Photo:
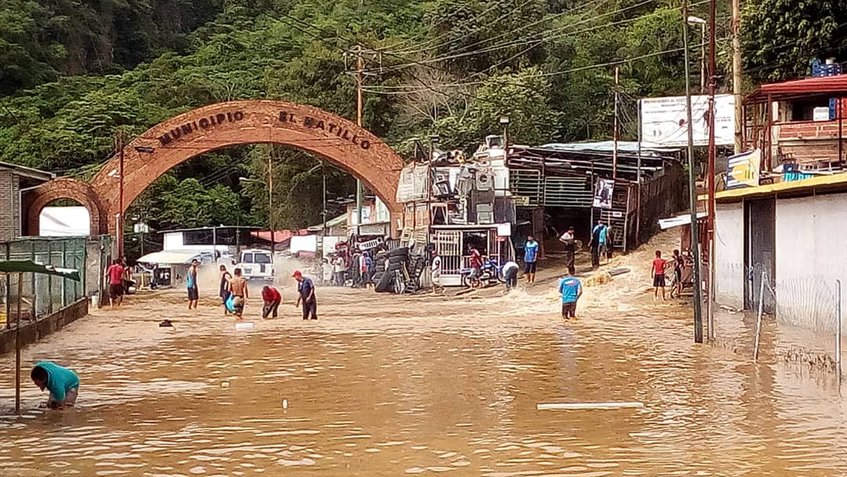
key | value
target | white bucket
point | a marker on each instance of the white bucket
(243, 326)
(95, 301)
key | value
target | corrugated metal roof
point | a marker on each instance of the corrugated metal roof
(28, 171)
(793, 88)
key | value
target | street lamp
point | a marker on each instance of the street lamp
(504, 123)
(692, 20)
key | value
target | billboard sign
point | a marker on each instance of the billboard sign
(663, 120)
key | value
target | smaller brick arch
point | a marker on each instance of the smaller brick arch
(65, 188)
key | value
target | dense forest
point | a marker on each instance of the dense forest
(73, 72)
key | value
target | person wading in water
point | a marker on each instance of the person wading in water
(240, 292)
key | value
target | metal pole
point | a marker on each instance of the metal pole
(271, 200)
(429, 191)
(736, 71)
(838, 329)
(8, 292)
(638, 180)
(695, 233)
(50, 278)
(703, 66)
(360, 68)
(18, 345)
(119, 227)
(710, 182)
(759, 317)
(323, 194)
(615, 132)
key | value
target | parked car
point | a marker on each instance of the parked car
(256, 265)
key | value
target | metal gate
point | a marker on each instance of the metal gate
(760, 233)
(448, 244)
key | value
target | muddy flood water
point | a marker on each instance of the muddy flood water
(387, 385)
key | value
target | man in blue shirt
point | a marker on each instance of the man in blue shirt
(62, 383)
(191, 284)
(530, 256)
(599, 234)
(571, 289)
(306, 289)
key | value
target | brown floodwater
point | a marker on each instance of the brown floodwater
(386, 385)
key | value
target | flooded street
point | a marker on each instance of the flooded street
(387, 385)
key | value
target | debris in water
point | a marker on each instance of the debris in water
(166, 324)
(285, 403)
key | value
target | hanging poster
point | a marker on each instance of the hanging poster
(743, 169)
(603, 193)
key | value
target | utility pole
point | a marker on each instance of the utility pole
(359, 73)
(615, 132)
(710, 182)
(119, 225)
(271, 199)
(692, 187)
(736, 72)
(360, 69)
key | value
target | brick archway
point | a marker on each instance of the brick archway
(221, 125)
(65, 188)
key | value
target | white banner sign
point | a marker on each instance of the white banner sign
(663, 120)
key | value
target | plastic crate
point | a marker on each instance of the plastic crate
(822, 69)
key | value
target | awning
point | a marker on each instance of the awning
(170, 257)
(834, 85)
(28, 266)
(684, 219)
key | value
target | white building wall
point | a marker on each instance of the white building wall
(810, 256)
(729, 252)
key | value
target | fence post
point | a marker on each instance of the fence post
(64, 280)
(8, 291)
(32, 282)
(759, 317)
(50, 278)
(838, 329)
(84, 268)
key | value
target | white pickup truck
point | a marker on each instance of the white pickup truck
(256, 265)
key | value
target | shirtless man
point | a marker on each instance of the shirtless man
(238, 288)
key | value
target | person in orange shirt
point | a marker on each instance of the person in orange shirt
(658, 273)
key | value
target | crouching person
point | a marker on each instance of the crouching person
(62, 383)
(271, 298)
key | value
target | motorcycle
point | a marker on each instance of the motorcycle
(491, 273)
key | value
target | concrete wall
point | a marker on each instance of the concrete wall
(729, 251)
(810, 256)
(32, 332)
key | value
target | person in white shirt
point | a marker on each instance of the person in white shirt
(435, 267)
(568, 238)
(510, 274)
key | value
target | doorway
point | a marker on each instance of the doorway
(759, 248)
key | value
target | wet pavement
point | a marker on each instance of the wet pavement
(386, 385)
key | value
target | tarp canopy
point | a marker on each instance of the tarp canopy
(28, 266)
(684, 219)
(64, 222)
(170, 257)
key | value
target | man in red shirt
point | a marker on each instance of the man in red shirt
(115, 275)
(658, 273)
(271, 298)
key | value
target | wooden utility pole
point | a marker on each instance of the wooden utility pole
(360, 79)
(736, 72)
(710, 223)
(615, 133)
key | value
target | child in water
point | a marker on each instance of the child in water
(62, 383)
